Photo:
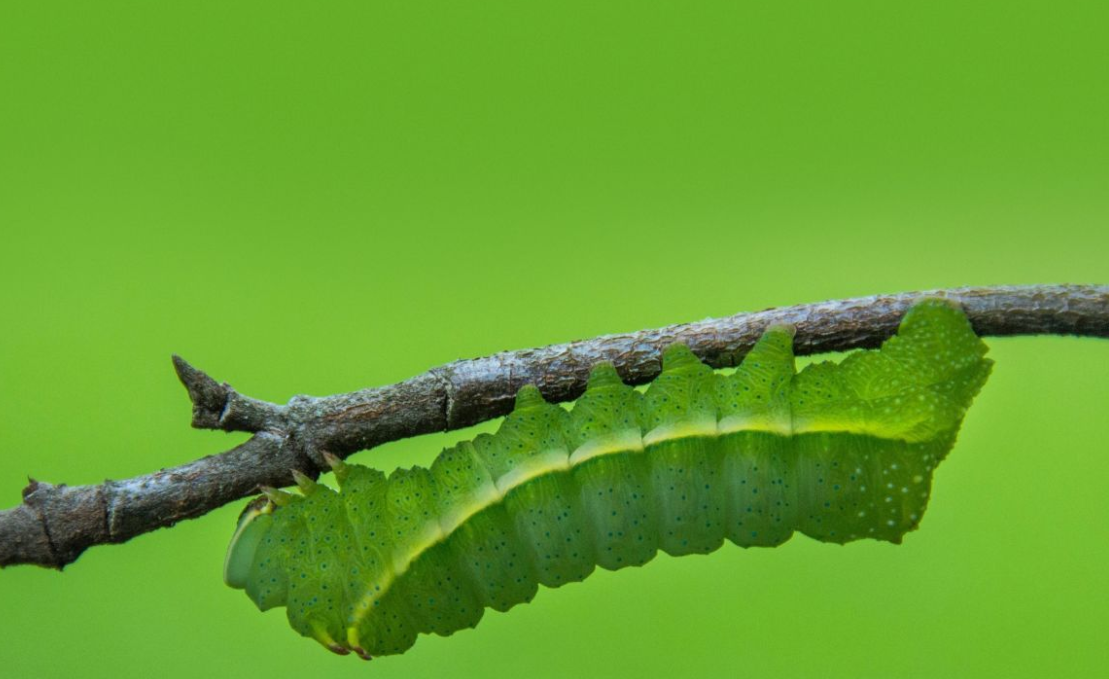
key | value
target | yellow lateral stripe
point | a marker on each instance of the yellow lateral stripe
(627, 441)
(550, 461)
(681, 430)
(733, 424)
(862, 428)
(555, 461)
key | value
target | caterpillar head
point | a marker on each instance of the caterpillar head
(253, 524)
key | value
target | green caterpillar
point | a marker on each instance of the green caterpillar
(838, 452)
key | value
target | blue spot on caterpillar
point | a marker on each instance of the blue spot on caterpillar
(839, 452)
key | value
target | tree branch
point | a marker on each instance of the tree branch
(55, 524)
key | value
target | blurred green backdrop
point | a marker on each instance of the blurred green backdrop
(317, 197)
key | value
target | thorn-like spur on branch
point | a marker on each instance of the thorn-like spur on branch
(218, 406)
(55, 524)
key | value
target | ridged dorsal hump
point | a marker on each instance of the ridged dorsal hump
(318, 596)
(363, 492)
(756, 396)
(917, 386)
(529, 443)
(465, 485)
(606, 417)
(681, 401)
(413, 512)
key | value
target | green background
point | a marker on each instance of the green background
(318, 197)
